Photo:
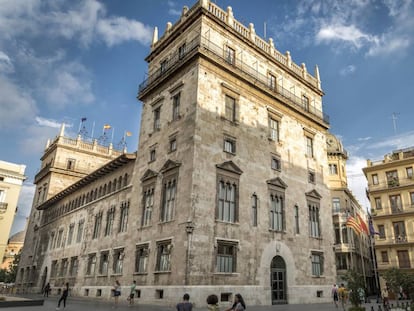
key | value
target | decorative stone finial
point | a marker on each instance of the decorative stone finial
(304, 70)
(318, 78)
(47, 144)
(62, 130)
(289, 59)
(154, 36)
(185, 10)
(230, 16)
(271, 43)
(169, 25)
(204, 3)
(252, 31)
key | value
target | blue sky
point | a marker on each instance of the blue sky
(64, 60)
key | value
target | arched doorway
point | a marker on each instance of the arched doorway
(278, 280)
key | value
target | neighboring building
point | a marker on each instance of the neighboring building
(11, 180)
(14, 246)
(352, 251)
(391, 194)
(227, 193)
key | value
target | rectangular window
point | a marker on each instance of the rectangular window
(163, 66)
(70, 164)
(378, 204)
(164, 256)
(403, 259)
(272, 81)
(337, 234)
(173, 144)
(230, 112)
(91, 264)
(54, 268)
(399, 232)
(305, 102)
(314, 220)
(317, 264)
(148, 200)
(341, 262)
(392, 178)
(80, 231)
(276, 163)
(227, 193)
(97, 226)
(230, 55)
(226, 256)
(152, 155)
(59, 238)
(333, 169)
(412, 198)
(395, 202)
(336, 205)
(381, 231)
(309, 147)
(375, 180)
(70, 233)
(229, 146)
(409, 171)
(384, 256)
(157, 119)
(181, 51)
(276, 212)
(169, 192)
(345, 239)
(64, 267)
(118, 261)
(176, 107)
(273, 129)
(141, 258)
(123, 220)
(297, 227)
(254, 210)
(73, 270)
(311, 176)
(104, 263)
(110, 217)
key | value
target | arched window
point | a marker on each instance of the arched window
(125, 179)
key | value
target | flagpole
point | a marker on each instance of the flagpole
(362, 259)
(80, 124)
(93, 129)
(112, 137)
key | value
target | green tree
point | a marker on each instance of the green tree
(12, 272)
(396, 278)
(3, 275)
(355, 283)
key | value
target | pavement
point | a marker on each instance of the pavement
(85, 304)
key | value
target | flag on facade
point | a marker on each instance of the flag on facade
(363, 224)
(372, 229)
(353, 223)
(106, 127)
(128, 133)
(83, 119)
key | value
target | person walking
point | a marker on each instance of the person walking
(46, 290)
(238, 304)
(342, 295)
(335, 295)
(384, 296)
(212, 303)
(64, 296)
(117, 292)
(185, 305)
(132, 293)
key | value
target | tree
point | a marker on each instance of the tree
(396, 278)
(12, 273)
(356, 283)
(3, 275)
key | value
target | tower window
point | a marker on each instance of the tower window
(70, 164)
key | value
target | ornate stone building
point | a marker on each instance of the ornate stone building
(391, 194)
(352, 251)
(11, 180)
(227, 193)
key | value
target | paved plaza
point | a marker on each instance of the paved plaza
(82, 304)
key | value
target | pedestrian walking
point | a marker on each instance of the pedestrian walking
(185, 305)
(342, 295)
(132, 293)
(46, 290)
(335, 295)
(238, 304)
(64, 296)
(212, 303)
(384, 296)
(117, 292)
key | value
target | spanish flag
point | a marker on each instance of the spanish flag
(353, 223)
(363, 225)
(106, 127)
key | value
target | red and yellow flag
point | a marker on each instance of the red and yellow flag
(363, 224)
(353, 223)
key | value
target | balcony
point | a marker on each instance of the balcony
(204, 46)
(3, 207)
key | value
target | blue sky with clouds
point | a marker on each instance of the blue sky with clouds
(64, 60)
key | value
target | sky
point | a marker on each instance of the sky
(61, 61)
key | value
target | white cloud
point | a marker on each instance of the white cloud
(6, 65)
(16, 106)
(401, 141)
(24, 207)
(173, 8)
(356, 178)
(364, 138)
(49, 122)
(387, 46)
(350, 34)
(35, 139)
(347, 70)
